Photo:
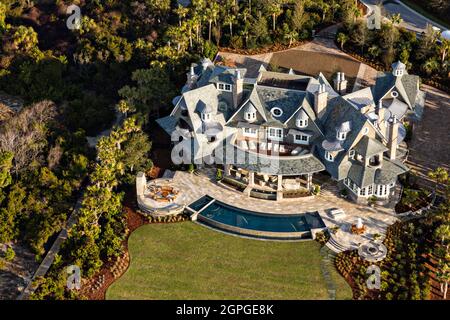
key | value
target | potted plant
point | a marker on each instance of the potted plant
(219, 174)
(316, 189)
(344, 193)
(372, 201)
(191, 168)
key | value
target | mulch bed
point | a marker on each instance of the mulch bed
(134, 221)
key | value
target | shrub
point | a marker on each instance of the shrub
(316, 189)
(191, 167)
(219, 174)
(10, 254)
(236, 42)
(210, 50)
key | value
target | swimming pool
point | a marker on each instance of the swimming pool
(269, 226)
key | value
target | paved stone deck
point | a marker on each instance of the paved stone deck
(377, 219)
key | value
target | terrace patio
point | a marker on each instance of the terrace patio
(376, 219)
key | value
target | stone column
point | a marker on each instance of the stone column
(280, 183)
(141, 183)
(227, 171)
(280, 187)
(309, 181)
(251, 178)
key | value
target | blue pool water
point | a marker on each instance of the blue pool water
(229, 215)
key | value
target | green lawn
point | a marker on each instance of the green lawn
(188, 261)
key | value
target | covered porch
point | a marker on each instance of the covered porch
(260, 185)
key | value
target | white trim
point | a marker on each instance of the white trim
(278, 136)
(248, 132)
(224, 87)
(304, 123)
(274, 109)
(329, 157)
(300, 141)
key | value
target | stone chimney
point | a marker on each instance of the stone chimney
(320, 100)
(238, 88)
(141, 183)
(381, 112)
(340, 84)
(393, 137)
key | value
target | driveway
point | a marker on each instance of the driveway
(429, 147)
(412, 20)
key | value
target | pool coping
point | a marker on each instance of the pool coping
(250, 233)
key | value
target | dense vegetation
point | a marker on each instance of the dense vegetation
(129, 57)
(418, 256)
(425, 55)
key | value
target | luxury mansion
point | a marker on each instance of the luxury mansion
(272, 133)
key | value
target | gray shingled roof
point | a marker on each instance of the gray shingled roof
(167, 123)
(369, 147)
(288, 165)
(364, 176)
(287, 100)
(406, 85)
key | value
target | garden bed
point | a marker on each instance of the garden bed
(404, 273)
(413, 200)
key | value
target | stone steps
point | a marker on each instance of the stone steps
(326, 267)
(336, 247)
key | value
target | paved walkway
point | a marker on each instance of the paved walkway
(376, 220)
(50, 257)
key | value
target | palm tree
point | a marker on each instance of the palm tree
(444, 48)
(374, 51)
(181, 12)
(275, 11)
(229, 20)
(211, 15)
(291, 36)
(396, 19)
(244, 33)
(245, 14)
(342, 38)
(439, 175)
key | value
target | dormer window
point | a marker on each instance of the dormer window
(224, 87)
(206, 117)
(342, 130)
(301, 123)
(329, 157)
(250, 113)
(341, 135)
(351, 154)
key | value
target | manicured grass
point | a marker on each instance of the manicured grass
(188, 261)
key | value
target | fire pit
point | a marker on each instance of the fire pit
(162, 193)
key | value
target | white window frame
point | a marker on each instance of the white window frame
(303, 138)
(277, 134)
(370, 190)
(250, 115)
(274, 109)
(351, 154)
(382, 190)
(301, 123)
(341, 135)
(250, 132)
(329, 157)
(224, 87)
